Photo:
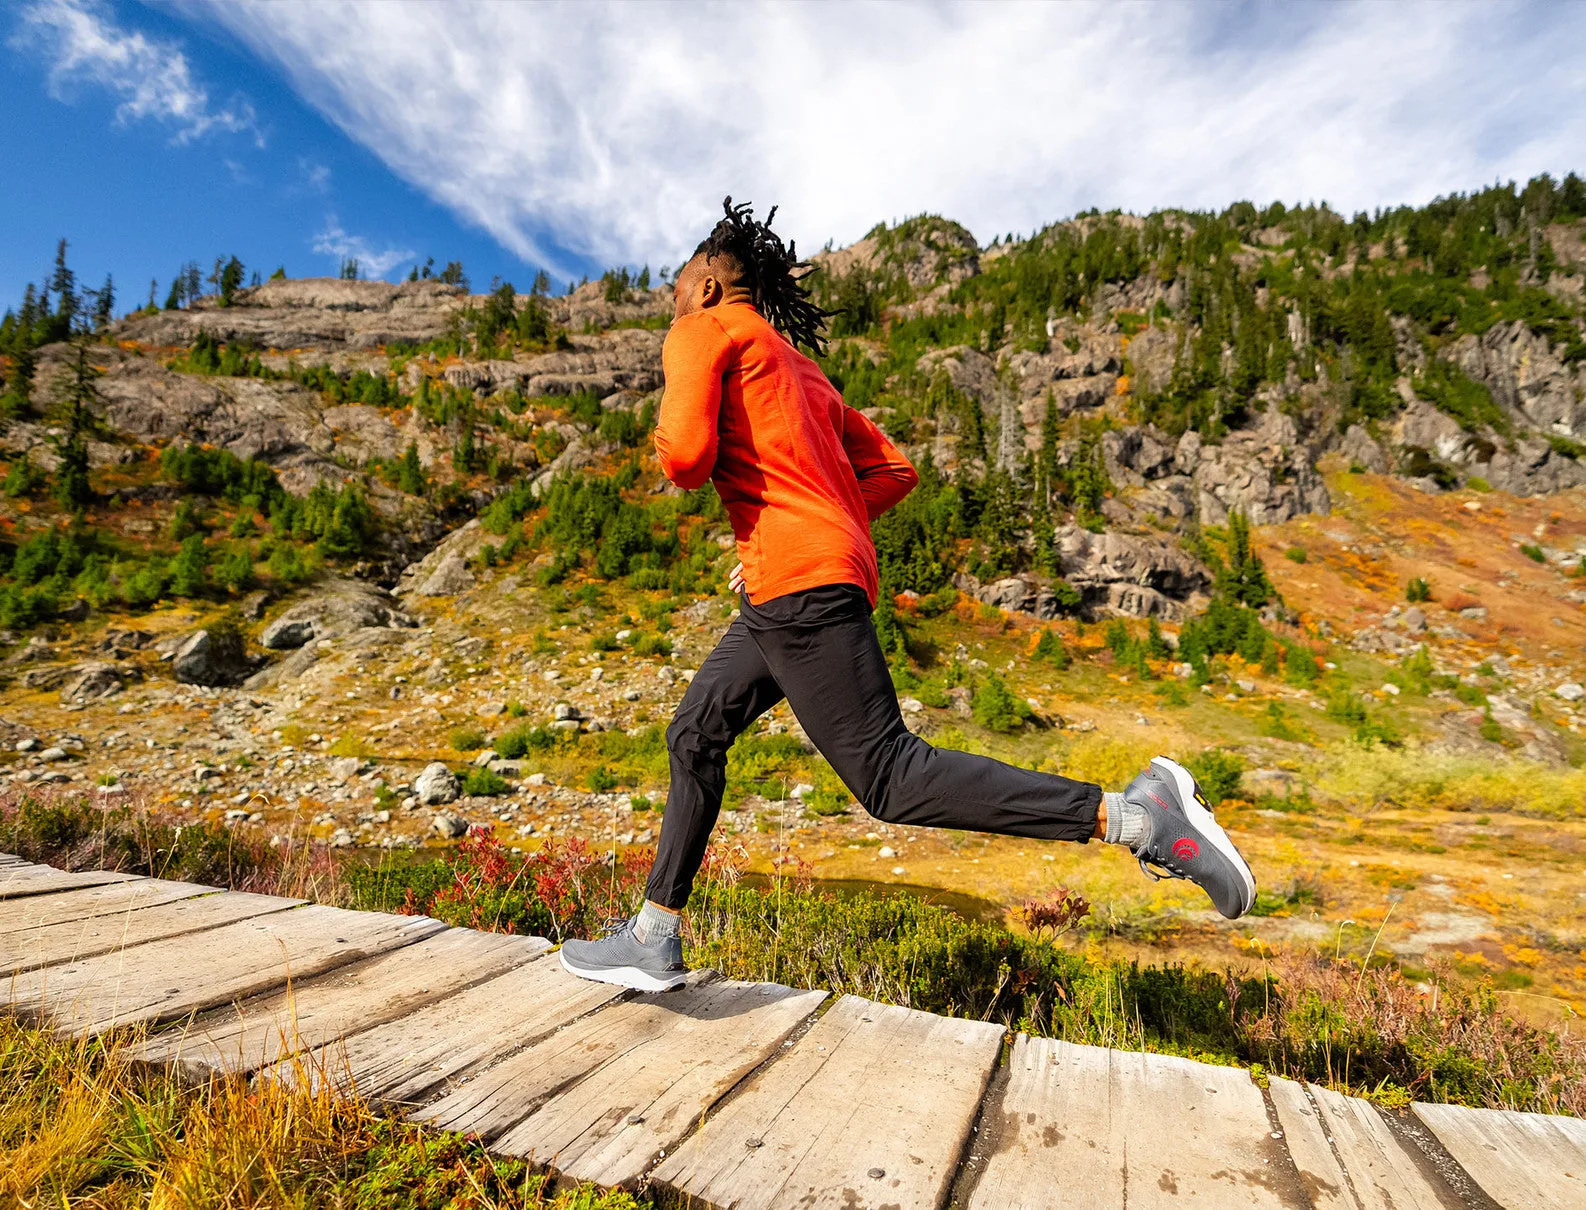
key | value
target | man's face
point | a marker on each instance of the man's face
(687, 295)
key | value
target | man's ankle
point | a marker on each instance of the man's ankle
(655, 924)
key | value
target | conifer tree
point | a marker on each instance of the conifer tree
(72, 488)
(1244, 579)
(410, 472)
(104, 304)
(64, 282)
(230, 281)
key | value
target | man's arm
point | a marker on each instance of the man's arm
(885, 475)
(694, 359)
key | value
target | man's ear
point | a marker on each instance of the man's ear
(710, 291)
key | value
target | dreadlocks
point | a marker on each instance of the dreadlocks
(772, 273)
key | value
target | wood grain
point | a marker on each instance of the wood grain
(317, 1012)
(38, 911)
(603, 1098)
(1120, 1128)
(17, 881)
(173, 977)
(404, 1060)
(50, 944)
(871, 1108)
(1523, 1161)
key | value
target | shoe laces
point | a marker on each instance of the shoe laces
(1146, 867)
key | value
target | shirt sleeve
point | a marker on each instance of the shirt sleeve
(885, 475)
(694, 358)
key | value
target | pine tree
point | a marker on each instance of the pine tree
(193, 286)
(230, 281)
(64, 282)
(1244, 580)
(72, 488)
(410, 472)
(104, 304)
(173, 300)
(190, 568)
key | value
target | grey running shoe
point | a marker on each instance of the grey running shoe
(1186, 842)
(619, 957)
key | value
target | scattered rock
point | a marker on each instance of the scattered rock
(448, 826)
(1570, 691)
(211, 657)
(93, 681)
(53, 754)
(435, 785)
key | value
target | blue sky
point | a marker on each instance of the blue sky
(576, 136)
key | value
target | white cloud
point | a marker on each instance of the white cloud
(614, 130)
(333, 241)
(152, 78)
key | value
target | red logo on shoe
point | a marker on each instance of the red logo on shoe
(1185, 849)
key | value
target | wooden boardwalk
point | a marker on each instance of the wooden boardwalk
(727, 1094)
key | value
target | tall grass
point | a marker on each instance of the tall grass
(81, 1125)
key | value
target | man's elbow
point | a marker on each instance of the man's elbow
(686, 470)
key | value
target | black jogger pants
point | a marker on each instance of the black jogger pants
(818, 649)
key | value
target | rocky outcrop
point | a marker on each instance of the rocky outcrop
(337, 607)
(1135, 575)
(210, 657)
(94, 681)
(925, 252)
(1020, 594)
(444, 571)
(1527, 376)
(312, 311)
(1430, 443)
(1266, 472)
(628, 359)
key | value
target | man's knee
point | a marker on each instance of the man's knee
(697, 732)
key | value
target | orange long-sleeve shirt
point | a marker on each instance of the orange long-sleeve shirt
(802, 474)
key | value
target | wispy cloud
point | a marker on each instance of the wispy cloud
(85, 45)
(614, 130)
(333, 241)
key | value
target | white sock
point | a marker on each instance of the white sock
(653, 924)
(1127, 824)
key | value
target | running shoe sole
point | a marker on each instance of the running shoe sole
(626, 976)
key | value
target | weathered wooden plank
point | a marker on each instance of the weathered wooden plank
(175, 976)
(317, 1012)
(40, 911)
(405, 1059)
(52, 944)
(1349, 1157)
(1530, 1160)
(1120, 1128)
(603, 1098)
(1056, 1127)
(870, 1109)
(1321, 1172)
(43, 880)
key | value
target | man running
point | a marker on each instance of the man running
(802, 475)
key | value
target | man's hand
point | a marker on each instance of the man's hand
(735, 578)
